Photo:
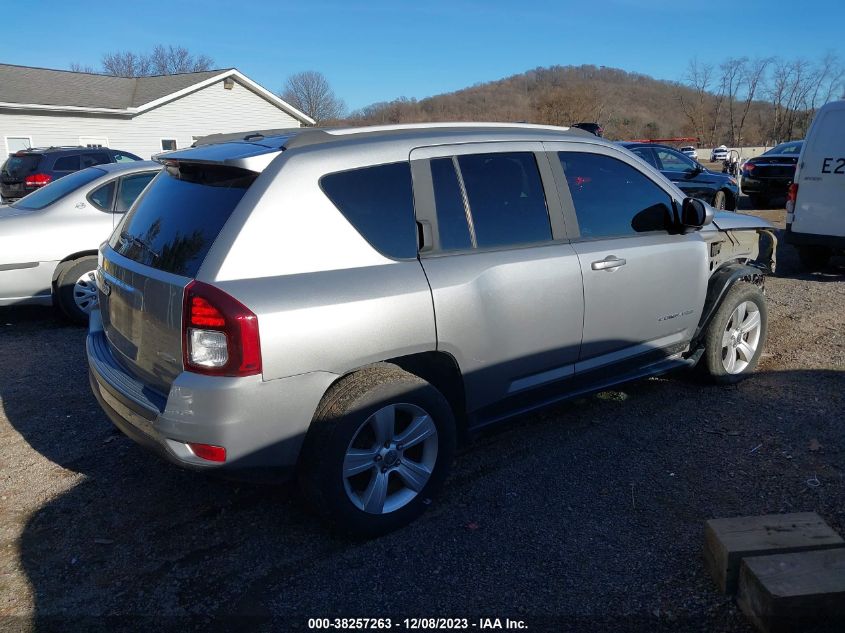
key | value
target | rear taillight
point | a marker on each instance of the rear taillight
(219, 333)
(748, 167)
(791, 197)
(37, 180)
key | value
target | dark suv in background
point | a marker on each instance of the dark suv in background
(25, 171)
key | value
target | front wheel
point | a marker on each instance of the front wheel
(76, 289)
(378, 450)
(737, 334)
(719, 201)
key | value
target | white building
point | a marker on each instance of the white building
(144, 116)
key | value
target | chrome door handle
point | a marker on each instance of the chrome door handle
(611, 262)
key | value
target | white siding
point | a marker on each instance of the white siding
(208, 111)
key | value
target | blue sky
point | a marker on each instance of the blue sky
(380, 50)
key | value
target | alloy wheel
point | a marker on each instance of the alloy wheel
(741, 337)
(390, 459)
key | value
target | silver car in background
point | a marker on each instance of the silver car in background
(49, 239)
(344, 305)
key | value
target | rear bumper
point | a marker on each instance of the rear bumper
(833, 242)
(262, 424)
(768, 186)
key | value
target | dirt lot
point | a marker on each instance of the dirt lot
(590, 514)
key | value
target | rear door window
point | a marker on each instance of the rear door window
(612, 198)
(379, 202)
(66, 163)
(506, 199)
(452, 225)
(175, 222)
(130, 188)
(673, 161)
(94, 158)
(103, 197)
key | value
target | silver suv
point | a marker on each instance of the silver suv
(344, 305)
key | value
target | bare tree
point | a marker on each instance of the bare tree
(310, 92)
(173, 60)
(163, 60)
(733, 70)
(698, 78)
(82, 68)
(752, 74)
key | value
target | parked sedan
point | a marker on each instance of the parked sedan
(49, 239)
(719, 190)
(769, 175)
(719, 154)
(689, 150)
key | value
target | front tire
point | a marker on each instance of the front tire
(737, 334)
(814, 258)
(379, 448)
(76, 290)
(719, 201)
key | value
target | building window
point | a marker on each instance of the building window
(17, 143)
(168, 144)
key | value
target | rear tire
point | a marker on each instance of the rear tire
(814, 258)
(363, 467)
(76, 291)
(736, 335)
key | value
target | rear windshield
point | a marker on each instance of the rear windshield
(787, 148)
(181, 213)
(20, 166)
(58, 189)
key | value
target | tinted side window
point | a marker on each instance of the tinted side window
(95, 158)
(66, 163)
(124, 157)
(673, 161)
(130, 188)
(451, 215)
(102, 196)
(378, 201)
(612, 198)
(506, 199)
(647, 155)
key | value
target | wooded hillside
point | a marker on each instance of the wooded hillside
(709, 105)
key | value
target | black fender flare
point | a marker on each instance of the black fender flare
(720, 283)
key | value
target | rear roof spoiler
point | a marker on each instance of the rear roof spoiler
(253, 157)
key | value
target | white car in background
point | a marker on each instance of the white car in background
(689, 150)
(719, 154)
(49, 238)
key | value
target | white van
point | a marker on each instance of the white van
(815, 208)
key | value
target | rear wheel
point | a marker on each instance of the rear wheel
(379, 448)
(76, 289)
(814, 257)
(737, 334)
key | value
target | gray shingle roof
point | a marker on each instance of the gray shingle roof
(23, 84)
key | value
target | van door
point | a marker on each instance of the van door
(506, 285)
(820, 207)
(644, 287)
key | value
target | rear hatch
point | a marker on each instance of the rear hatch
(156, 251)
(14, 172)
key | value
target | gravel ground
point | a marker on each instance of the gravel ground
(589, 515)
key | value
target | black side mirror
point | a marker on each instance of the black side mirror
(694, 215)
